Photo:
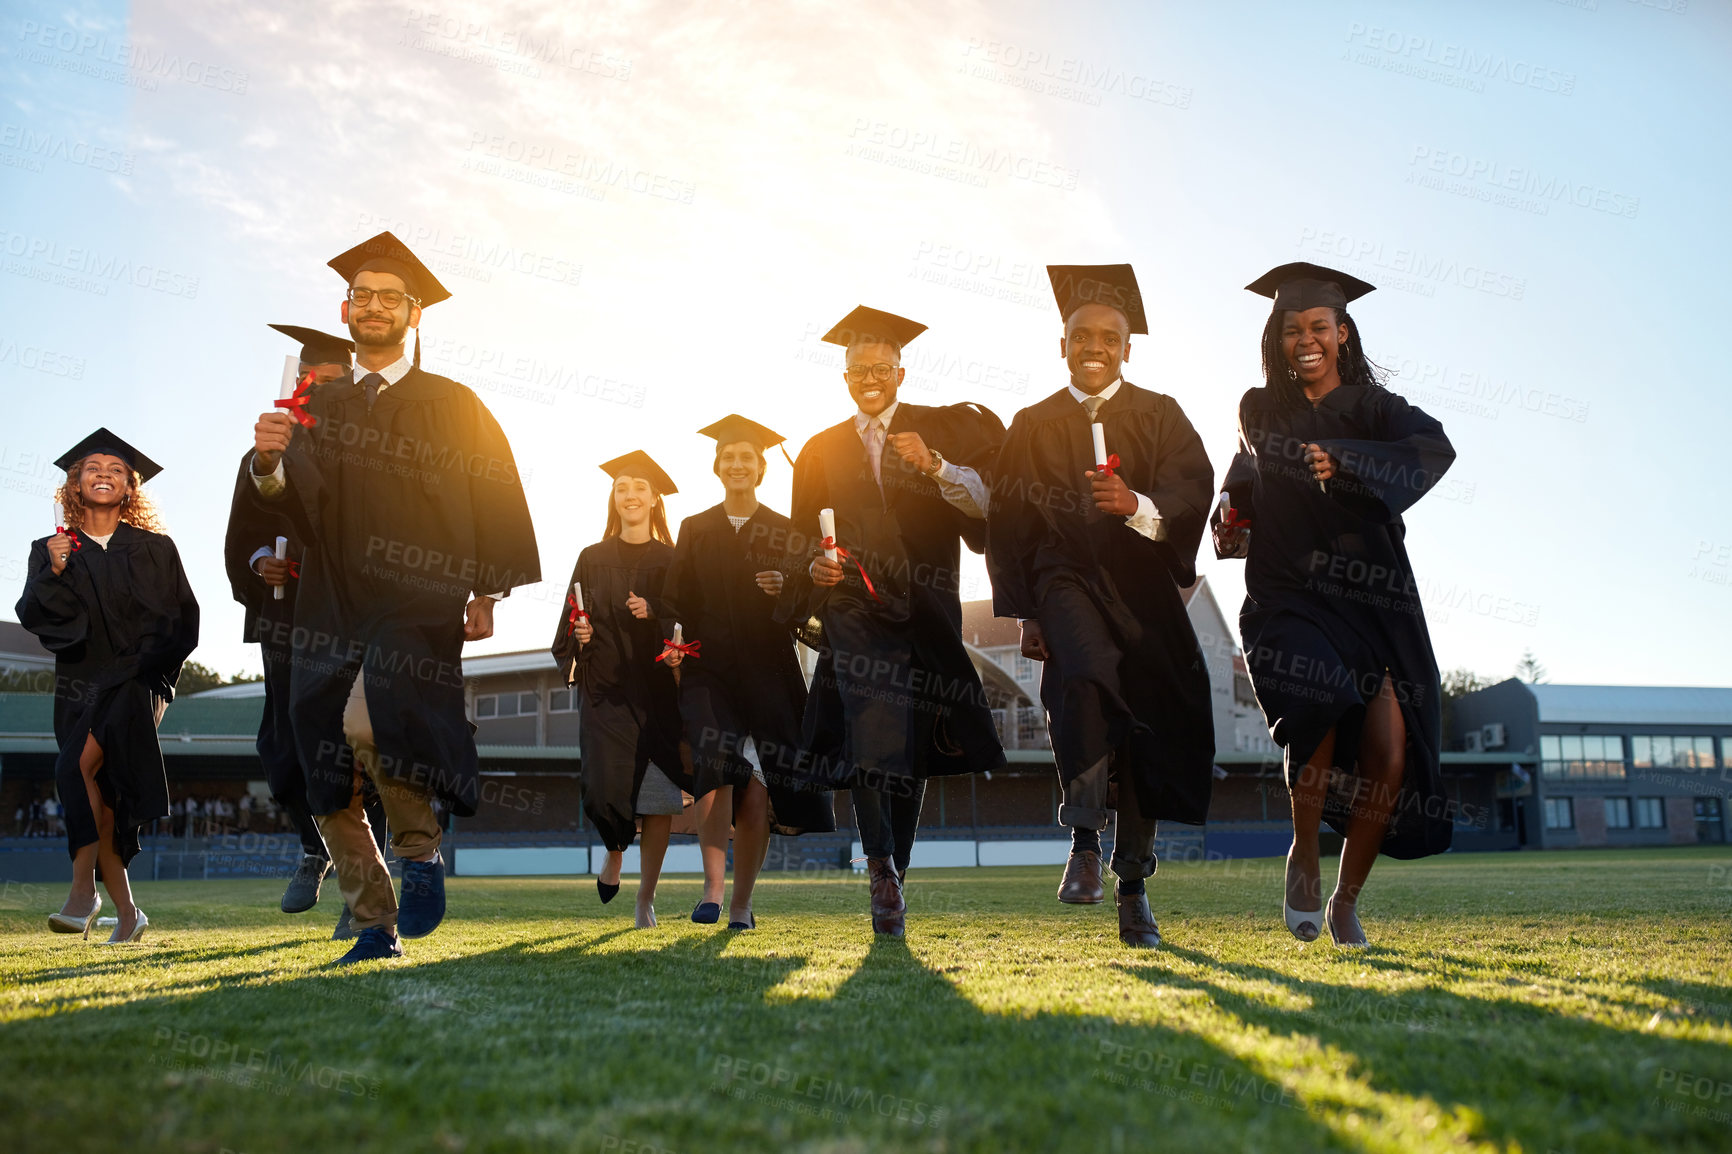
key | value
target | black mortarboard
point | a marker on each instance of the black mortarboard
(103, 441)
(1113, 285)
(638, 463)
(734, 428)
(1302, 286)
(319, 348)
(385, 253)
(866, 324)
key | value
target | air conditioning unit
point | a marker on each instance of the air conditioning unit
(1472, 739)
(1492, 736)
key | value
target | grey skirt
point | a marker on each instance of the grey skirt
(658, 794)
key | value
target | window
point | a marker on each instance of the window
(1030, 726)
(1672, 752)
(1582, 756)
(1617, 813)
(1559, 813)
(562, 701)
(1027, 669)
(506, 705)
(1650, 813)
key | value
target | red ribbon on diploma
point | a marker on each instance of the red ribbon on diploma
(1107, 469)
(295, 570)
(830, 543)
(689, 648)
(576, 613)
(297, 404)
(65, 532)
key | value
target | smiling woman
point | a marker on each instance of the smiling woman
(107, 596)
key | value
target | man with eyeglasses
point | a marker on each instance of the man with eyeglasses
(895, 699)
(415, 522)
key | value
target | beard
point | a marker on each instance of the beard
(391, 336)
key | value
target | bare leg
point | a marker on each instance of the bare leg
(751, 840)
(610, 868)
(83, 892)
(1382, 761)
(653, 847)
(1304, 873)
(108, 862)
(715, 817)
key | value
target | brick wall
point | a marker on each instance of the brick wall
(1681, 820)
(1590, 820)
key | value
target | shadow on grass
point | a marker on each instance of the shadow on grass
(666, 1037)
(1432, 1043)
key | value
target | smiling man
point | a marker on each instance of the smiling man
(414, 519)
(1090, 560)
(895, 699)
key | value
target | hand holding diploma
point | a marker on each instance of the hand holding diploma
(671, 653)
(826, 570)
(1108, 489)
(580, 626)
(1321, 464)
(60, 545)
(1231, 532)
(282, 559)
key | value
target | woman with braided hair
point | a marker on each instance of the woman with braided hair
(106, 595)
(1334, 634)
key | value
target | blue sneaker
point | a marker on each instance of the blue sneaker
(373, 942)
(422, 906)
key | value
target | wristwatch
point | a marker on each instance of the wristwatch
(937, 463)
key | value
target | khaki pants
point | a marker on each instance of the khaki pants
(361, 872)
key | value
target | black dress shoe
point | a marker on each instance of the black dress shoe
(1136, 924)
(707, 913)
(605, 891)
(751, 923)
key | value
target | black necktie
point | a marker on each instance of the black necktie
(371, 384)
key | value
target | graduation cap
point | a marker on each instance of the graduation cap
(103, 441)
(868, 324)
(734, 428)
(319, 348)
(385, 253)
(1302, 286)
(638, 463)
(1113, 285)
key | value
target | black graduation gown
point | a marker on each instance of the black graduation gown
(267, 623)
(628, 713)
(120, 622)
(406, 512)
(1331, 603)
(895, 695)
(1143, 686)
(746, 681)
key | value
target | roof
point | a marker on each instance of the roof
(21, 648)
(1633, 704)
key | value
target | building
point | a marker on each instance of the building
(1615, 765)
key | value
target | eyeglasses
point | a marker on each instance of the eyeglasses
(859, 374)
(390, 298)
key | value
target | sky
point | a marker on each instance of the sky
(648, 213)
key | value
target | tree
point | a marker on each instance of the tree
(196, 678)
(1529, 668)
(1457, 683)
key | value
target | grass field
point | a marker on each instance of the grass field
(1550, 1001)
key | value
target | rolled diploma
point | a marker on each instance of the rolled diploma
(59, 516)
(291, 377)
(282, 554)
(577, 593)
(1226, 503)
(827, 530)
(1100, 435)
(678, 636)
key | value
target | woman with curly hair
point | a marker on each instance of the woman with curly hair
(1334, 634)
(106, 595)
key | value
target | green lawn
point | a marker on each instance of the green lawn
(1541, 1001)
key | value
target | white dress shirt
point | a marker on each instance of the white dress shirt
(957, 484)
(1147, 519)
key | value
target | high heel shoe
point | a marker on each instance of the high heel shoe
(605, 891)
(1347, 943)
(68, 924)
(115, 939)
(1306, 925)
